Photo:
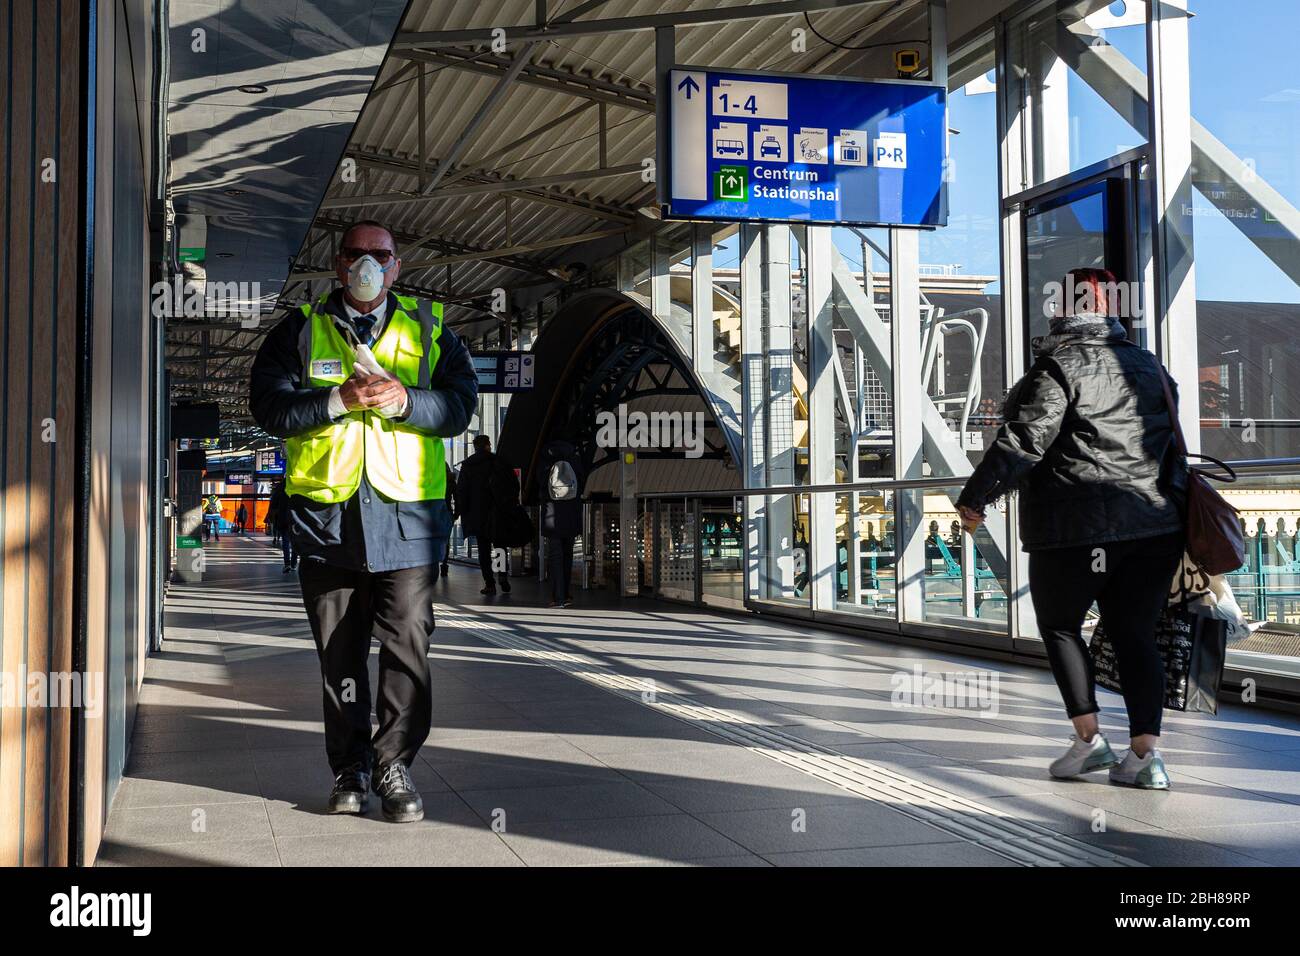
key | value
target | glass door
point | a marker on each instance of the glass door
(1080, 225)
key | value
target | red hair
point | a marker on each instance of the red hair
(1092, 279)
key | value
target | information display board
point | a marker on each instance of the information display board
(504, 371)
(775, 147)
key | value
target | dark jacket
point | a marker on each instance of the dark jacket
(486, 486)
(368, 531)
(559, 519)
(278, 510)
(1088, 441)
(451, 494)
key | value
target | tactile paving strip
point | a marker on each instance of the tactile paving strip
(1021, 841)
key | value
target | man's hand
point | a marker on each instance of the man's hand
(362, 392)
(970, 518)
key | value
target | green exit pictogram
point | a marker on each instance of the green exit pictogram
(730, 183)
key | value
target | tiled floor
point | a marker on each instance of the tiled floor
(530, 765)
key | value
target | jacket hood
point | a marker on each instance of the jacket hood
(1080, 327)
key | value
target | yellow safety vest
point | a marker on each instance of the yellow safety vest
(400, 461)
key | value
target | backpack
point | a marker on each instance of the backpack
(561, 482)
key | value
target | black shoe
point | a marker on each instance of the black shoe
(490, 590)
(505, 584)
(444, 570)
(287, 569)
(395, 787)
(351, 791)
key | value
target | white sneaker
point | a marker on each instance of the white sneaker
(1145, 773)
(1084, 756)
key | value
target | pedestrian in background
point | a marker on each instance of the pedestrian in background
(559, 497)
(486, 487)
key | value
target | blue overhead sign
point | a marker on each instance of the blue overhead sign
(791, 148)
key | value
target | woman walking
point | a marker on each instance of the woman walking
(1088, 441)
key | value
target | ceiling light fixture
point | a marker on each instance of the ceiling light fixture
(252, 88)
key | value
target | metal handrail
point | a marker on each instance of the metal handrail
(869, 484)
(1281, 466)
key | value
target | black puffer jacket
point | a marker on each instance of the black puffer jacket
(1087, 439)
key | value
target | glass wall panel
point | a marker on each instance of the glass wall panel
(961, 294)
(864, 428)
(864, 550)
(964, 578)
(1079, 69)
(799, 351)
(721, 553)
(634, 270)
(1245, 225)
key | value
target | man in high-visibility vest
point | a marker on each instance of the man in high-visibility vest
(363, 385)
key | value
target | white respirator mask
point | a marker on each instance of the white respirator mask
(366, 279)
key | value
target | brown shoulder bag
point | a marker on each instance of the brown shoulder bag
(1214, 534)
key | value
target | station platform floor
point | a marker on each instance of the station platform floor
(637, 732)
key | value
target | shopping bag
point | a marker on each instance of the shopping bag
(1193, 647)
(1211, 595)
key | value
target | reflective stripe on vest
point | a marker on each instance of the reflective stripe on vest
(400, 462)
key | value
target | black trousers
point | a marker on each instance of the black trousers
(1129, 580)
(346, 609)
(485, 551)
(559, 567)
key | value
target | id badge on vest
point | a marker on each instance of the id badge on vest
(327, 368)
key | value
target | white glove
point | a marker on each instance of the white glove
(366, 363)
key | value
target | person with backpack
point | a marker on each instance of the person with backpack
(212, 518)
(485, 489)
(559, 495)
(1088, 438)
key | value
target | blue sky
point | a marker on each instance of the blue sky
(1245, 88)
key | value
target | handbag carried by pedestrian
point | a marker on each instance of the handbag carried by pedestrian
(1215, 540)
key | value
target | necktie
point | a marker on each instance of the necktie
(364, 324)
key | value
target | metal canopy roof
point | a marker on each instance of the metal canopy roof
(261, 98)
(516, 171)
(497, 166)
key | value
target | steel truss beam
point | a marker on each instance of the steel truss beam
(557, 28)
(419, 264)
(493, 182)
(452, 247)
(544, 77)
(474, 189)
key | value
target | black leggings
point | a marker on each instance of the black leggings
(1129, 580)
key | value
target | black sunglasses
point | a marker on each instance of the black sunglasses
(353, 253)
